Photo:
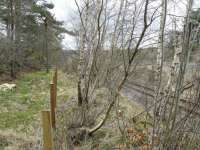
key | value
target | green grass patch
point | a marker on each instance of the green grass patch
(19, 107)
(16, 120)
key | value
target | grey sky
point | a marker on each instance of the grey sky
(64, 10)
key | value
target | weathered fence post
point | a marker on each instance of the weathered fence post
(55, 77)
(47, 131)
(53, 105)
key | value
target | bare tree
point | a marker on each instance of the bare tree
(170, 116)
(110, 37)
(159, 68)
(89, 48)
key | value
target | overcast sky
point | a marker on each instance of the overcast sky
(64, 10)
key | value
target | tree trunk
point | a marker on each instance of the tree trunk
(82, 58)
(159, 69)
(81, 69)
(12, 51)
(80, 100)
(46, 44)
(17, 35)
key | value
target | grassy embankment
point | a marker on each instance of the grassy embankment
(20, 108)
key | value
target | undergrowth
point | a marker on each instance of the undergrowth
(20, 111)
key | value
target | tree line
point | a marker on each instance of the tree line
(30, 36)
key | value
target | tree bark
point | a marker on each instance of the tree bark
(12, 51)
(159, 69)
(82, 60)
(46, 43)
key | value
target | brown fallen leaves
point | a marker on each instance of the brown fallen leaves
(134, 138)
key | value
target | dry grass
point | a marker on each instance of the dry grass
(34, 89)
(70, 118)
(10, 140)
(20, 109)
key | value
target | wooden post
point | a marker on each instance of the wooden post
(53, 105)
(47, 131)
(55, 76)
